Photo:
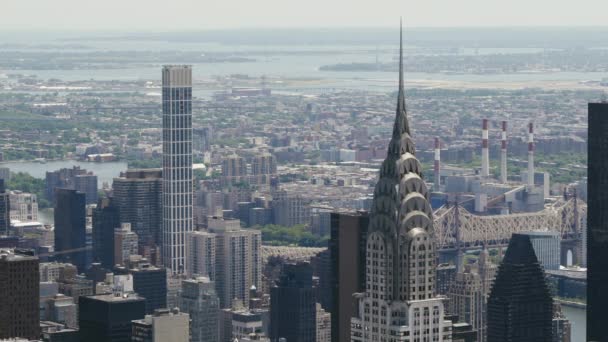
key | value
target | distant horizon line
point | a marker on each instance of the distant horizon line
(303, 28)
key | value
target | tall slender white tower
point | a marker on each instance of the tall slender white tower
(399, 303)
(437, 169)
(485, 152)
(177, 164)
(503, 153)
(531, 154)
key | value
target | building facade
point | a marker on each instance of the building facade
(177, 164)
(597, 221)
(200, 250)
(348, 236)
(547, 247)
(163, 325)
(5, 210)
(399, 303)
(108, 317)
(125, 244)
(24, 206)
(520, 306)
(138, 197)
(19, 302)
(292, 305)
(199, 299)
(70, 227)
(238, 260)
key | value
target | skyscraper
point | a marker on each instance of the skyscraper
(520, 307)
(200, 251)
(597, 222)
(105, 219)
(238, 258)
(5, 209)
(547, 247)
(20, 296)
(70, 227)
(125, 244)
(199, 299)
(74, 178)
(347, 268)
(177, 164)
(138, 196)
(399, 303)
(292, 305)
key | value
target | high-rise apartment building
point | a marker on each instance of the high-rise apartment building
(199, 299)
(348, 236)
(520, 306)
(162, 326)
(5, 210)
(292, 305)
(399, 303)
(70, 227)
(238, 258)
(177, 164)
(547, 247)
(24, 206)
(74, 178)
(109, 317)
(138, 197)
(289, 210)
(234, 170)
(125, 244)
(19, 299)
(105, 219)
(200, 251)
(597, 222)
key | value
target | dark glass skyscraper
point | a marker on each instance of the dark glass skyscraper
(105, 220)
(520, 307)
(597, 223)
(5, 210)
(70, 227)
(137, 195)
(347, 263)
(177, 164)
(292, 305)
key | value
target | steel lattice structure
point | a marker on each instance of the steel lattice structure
(455, 227)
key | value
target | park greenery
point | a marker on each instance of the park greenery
(298, 235)
(23, 181)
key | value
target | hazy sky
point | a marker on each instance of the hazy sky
(169, 15)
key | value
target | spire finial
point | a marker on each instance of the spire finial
(400, 53)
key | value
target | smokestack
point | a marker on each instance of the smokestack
(531, 154)
(503, 153)
(485, 153)
(437, 182)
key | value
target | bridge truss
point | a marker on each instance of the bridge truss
(457, 228)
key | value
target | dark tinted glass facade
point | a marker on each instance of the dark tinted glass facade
(292, 305)
(347, 260)
(597, 223)
(105, 220)
(104, 318)
(70, 227)
(520, 306)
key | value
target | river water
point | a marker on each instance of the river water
(578, 318)
(104, 171)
